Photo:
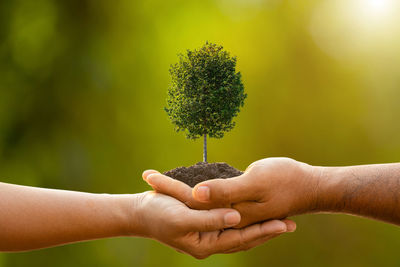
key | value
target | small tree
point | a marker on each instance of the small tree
(206, 93)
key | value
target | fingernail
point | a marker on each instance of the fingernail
(231, 219)
(149, 179)
(291, 227)
(282, 228)
(203, 193)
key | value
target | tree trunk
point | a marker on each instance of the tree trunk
(205, 148)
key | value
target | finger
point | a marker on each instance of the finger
(178, 190)
(236, 238)
(169, 186)
(290, 225)
(210, 220)
(231, 190)
(252, 244)
(251, 212)
(147, 173)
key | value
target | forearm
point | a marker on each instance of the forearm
(32, 218)
(371, 191)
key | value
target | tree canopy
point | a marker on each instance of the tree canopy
(206, 92)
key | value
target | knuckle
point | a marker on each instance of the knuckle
(198, 251)
(208, 225)
(211, 224)
(200, 256)
(258, 169)
(238, 242)
(241, 240)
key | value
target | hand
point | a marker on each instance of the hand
(272, 188)
(200, 233)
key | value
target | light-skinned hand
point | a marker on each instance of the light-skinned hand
(199, 233)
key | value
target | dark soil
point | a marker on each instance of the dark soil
(202, 171)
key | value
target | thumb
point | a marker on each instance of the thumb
(212, 220)
(226, 191)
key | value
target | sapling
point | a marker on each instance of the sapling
(205, 94)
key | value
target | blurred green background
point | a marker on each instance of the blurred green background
(83, 85)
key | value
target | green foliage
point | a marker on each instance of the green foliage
(206, 92)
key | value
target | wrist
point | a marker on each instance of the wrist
(305, 195)
(126, 210)
(138, 225)
(329, 189)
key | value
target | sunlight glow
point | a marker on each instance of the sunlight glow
(379, 5)
(375, 9)
(356, 28)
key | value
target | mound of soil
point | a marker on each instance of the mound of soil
(203, 171)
